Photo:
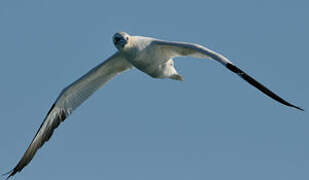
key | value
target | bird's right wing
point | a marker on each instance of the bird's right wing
(69, 99)
(173, 49)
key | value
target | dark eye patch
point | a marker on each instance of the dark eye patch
(117, 39)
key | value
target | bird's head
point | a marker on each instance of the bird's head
(121, 40)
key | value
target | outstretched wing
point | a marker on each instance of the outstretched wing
(174, 49)
(69, 99)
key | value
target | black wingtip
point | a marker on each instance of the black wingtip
(259, 86)
(11, 173)
(298, 108)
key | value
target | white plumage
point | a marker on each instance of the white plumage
(152, 56)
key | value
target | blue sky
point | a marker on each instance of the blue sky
(211, 126)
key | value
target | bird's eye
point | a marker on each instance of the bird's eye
(127, 38)
(117, 39)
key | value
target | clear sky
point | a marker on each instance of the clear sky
(212, 126)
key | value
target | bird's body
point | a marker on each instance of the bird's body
(151, 56)
(148, 58)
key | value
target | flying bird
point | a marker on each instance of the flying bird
(149, 55)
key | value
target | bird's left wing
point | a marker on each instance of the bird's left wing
(69, 99)
(173, 49)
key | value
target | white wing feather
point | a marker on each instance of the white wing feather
(69, 99)
(174, 49)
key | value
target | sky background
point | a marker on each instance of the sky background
(212, 126)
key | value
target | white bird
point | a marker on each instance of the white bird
(152, 56)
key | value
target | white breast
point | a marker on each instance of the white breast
(147, 57)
